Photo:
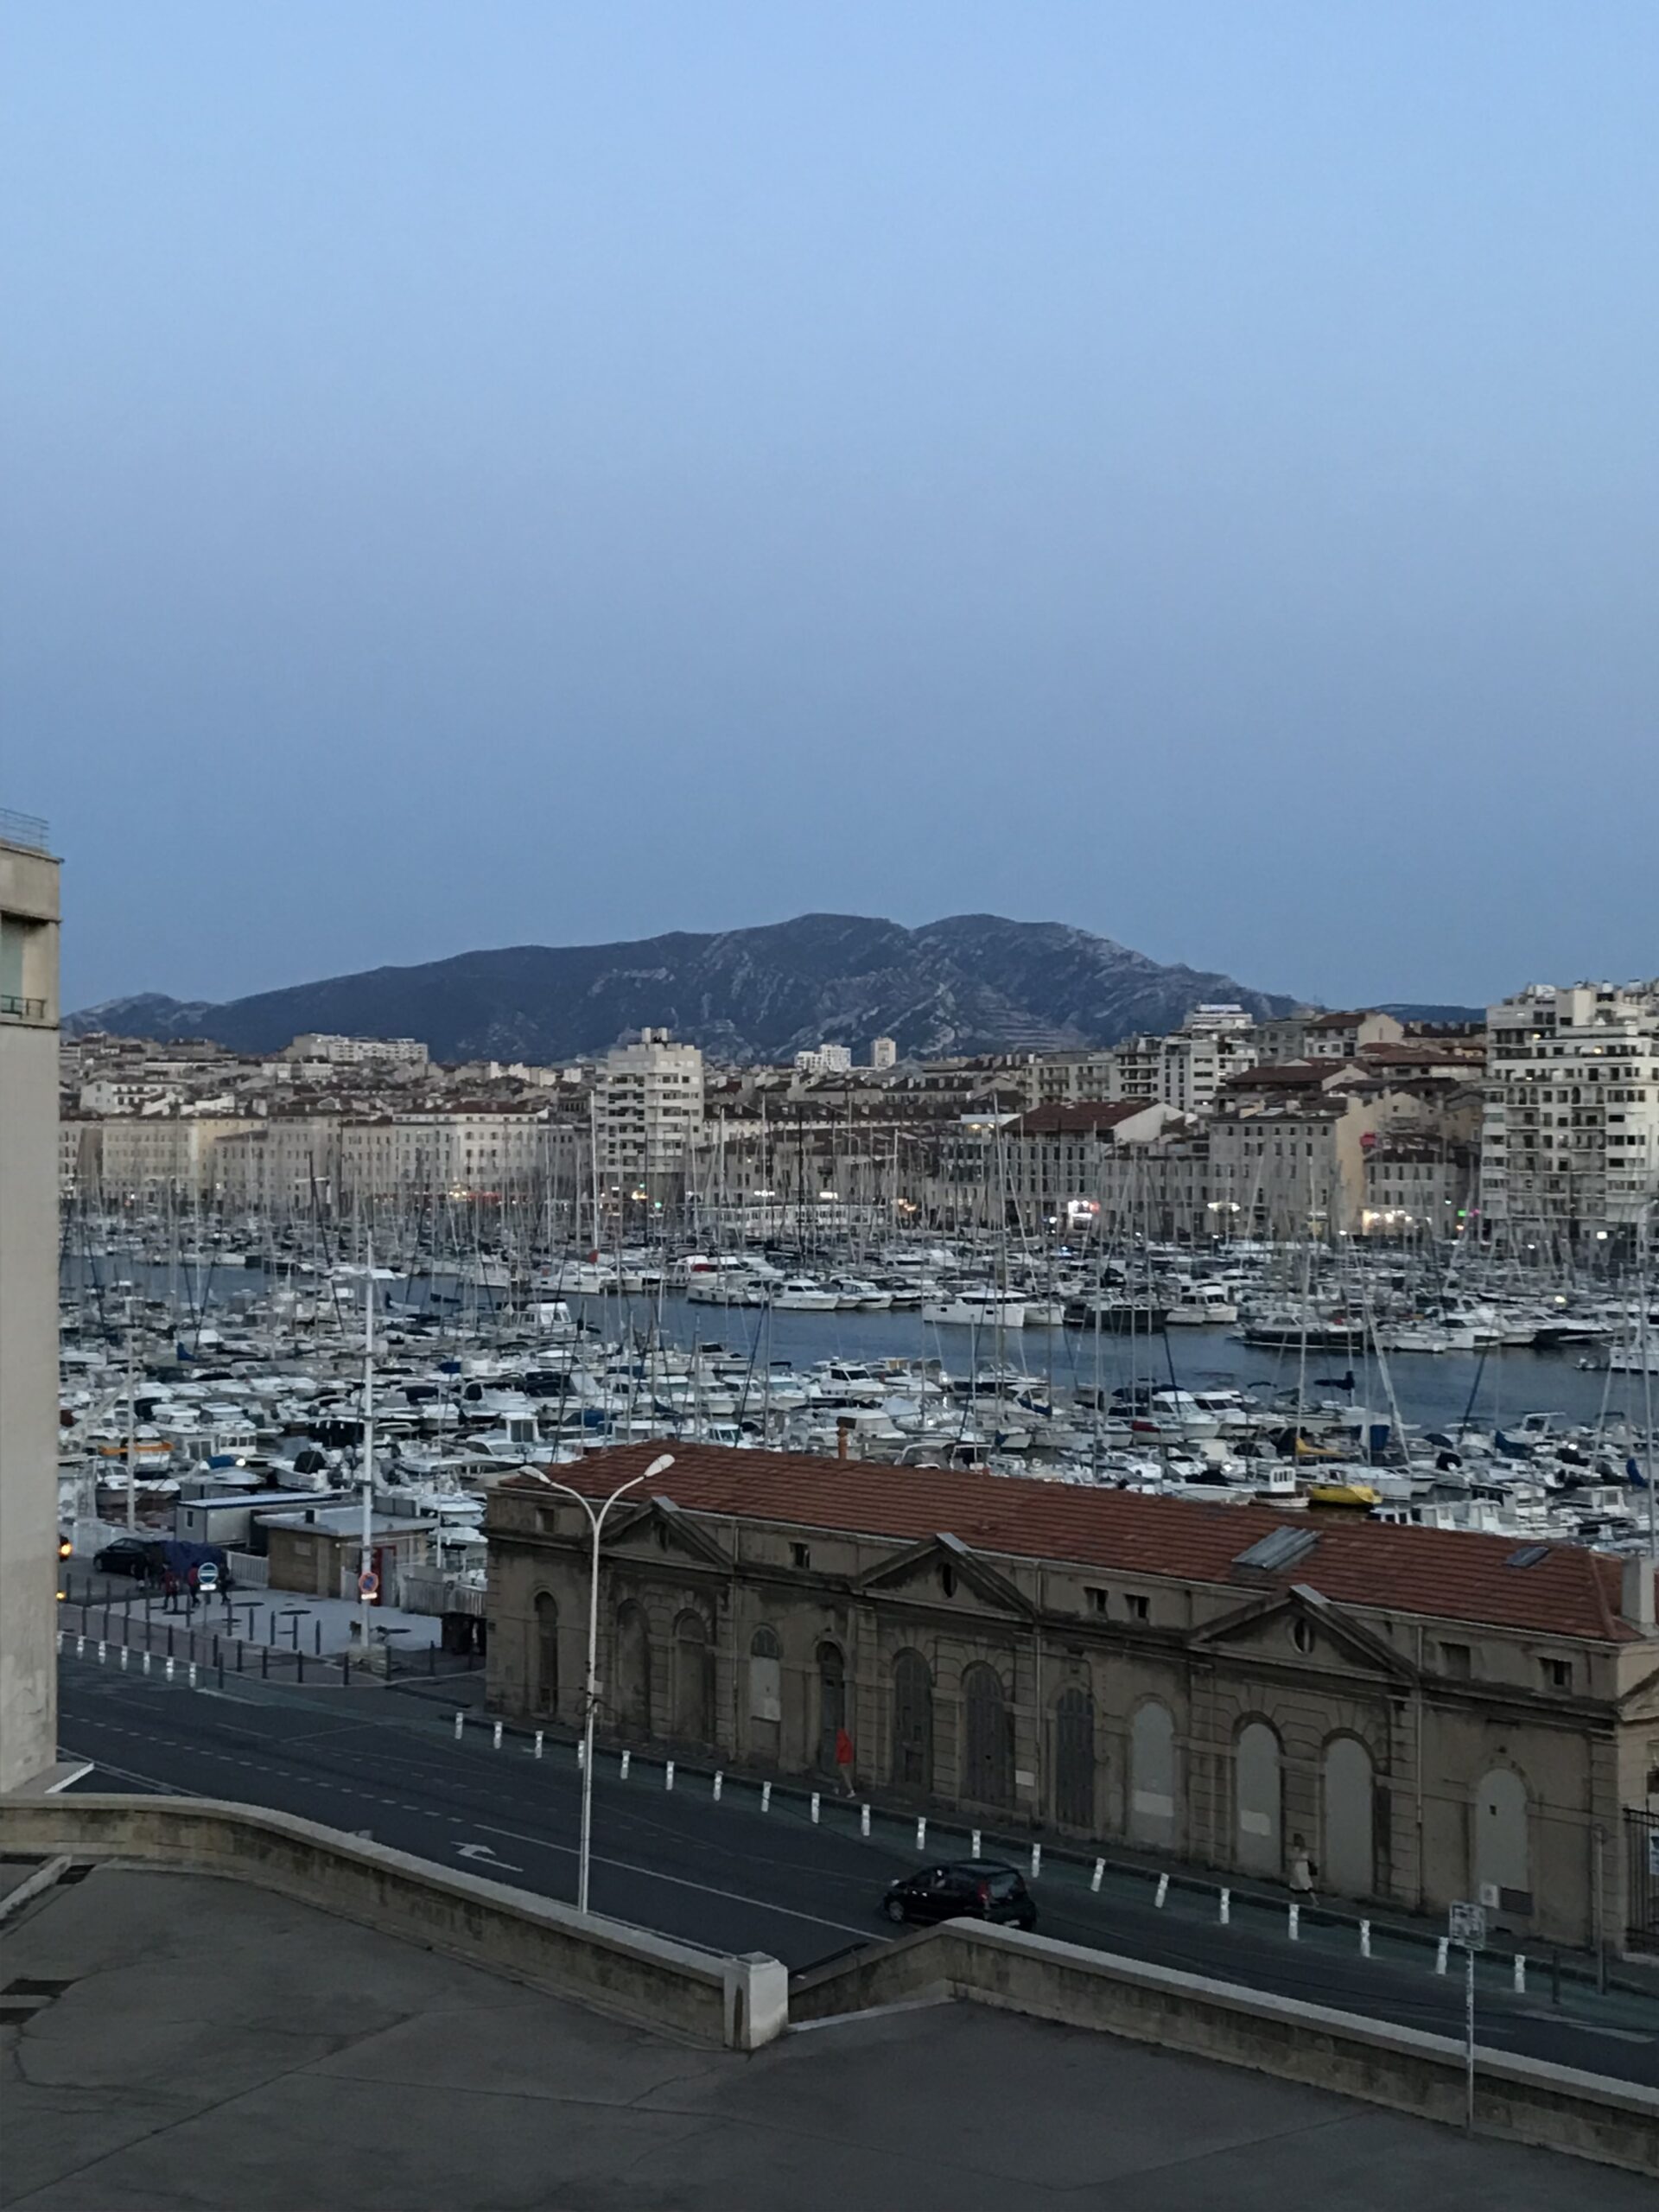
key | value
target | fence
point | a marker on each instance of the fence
(129, 1631)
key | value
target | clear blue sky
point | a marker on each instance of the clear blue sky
(487, 472)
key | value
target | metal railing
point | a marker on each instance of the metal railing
(28, 831)
(21, 1009)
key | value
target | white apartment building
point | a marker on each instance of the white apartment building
(1571, 1134)
(825, 1059)
(140, 1156)
(884, 1053)
(28, 1302)
(647, 1110)
(357, 1051)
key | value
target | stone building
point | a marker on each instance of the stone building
(1438, 1715)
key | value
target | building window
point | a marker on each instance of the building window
(1454, 1659)
(1137, 1607)
(1302, 1633)
(800, 1555)
(1558, 1673)
(1099, 1600)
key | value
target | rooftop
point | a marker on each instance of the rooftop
(193, 2041)
(1445, 1575)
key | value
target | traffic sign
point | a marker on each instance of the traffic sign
(368, 1583)
(1466, 1924)
(208, 1575)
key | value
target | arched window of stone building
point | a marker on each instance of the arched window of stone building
(1151, 1817)
(1258, 1793)
(1348, 1855)
(832, 1702)
(631, 1695)
(913, 1723)
(1503, 1855)
(546, 1698)
(1074, 1760)
(987, 1761)
(694, 1688)
(766, 1693)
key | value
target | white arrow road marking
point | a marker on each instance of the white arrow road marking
(482, 1851)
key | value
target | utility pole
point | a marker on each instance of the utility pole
(132, 1440)
(367, 1584)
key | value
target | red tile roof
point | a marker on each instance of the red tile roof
(1446, 1574)
(1062, 1119)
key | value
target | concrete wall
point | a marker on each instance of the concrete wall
(29, 1320)
(1525, 2099)
(705, 1997)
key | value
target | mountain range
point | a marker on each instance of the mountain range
(973, 983)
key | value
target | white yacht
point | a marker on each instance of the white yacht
(976, 1305)
(1203, 1305)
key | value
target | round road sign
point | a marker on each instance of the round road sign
(368, 1582)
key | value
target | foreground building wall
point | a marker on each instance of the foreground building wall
(28, 1309)
(1421, 1756)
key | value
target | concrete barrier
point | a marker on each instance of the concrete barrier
(706, 1997)
(1524, 2099)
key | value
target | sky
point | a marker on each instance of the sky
(491, 473)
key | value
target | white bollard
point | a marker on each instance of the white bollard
(1163, 1890)
(1098, 1875)
(101, 1649)
(124, 1657)
(460, 1722)
(80, 1647)
(537, 1753)
(626, 1756)
(766, 1797)
(146, 1663)
(1441, 1951)
(668, 1776)
(192, 1674)
(1294, 1922)
(495, 1737)
(863, 1819)
(719, 1779)
(921, 1835)
(814, 1810)
(973, 1845)
(1225, 1903)
(170, 1670)
(1365, 1939)
(1521, 1974)
(581, 1753)
(1036, 1860)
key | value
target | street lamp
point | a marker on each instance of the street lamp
(596, 1521)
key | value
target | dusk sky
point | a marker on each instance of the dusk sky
(491, 472)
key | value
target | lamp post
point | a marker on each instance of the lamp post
(596, 1522)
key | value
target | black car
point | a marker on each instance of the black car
(964, 1889)
(133, 1556)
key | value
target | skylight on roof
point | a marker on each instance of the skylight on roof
(1528, 1556)
(1281, 1547)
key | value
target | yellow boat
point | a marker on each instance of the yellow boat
(1360, 1495)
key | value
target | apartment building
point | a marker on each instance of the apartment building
(1571, 1136)
(357, 1051)
(648, 1113)
(28, 1300)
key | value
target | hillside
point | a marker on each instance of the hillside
(973, 983)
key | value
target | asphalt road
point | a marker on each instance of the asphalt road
(726, 1875)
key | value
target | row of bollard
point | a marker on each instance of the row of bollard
(1160, 1895)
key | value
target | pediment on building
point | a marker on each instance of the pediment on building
(1269, 1624)
(1641, 1701)
(658, 1525)
(931, 1568)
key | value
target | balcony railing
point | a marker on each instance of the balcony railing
(26, 830)
(23, 1010)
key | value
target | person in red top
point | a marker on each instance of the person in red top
(844, 1759)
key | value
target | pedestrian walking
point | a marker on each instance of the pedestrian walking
(844, 1760)
(170, 1592)
(1303, 1872)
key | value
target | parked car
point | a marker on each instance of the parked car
(963, 1889)
(138, 1556)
